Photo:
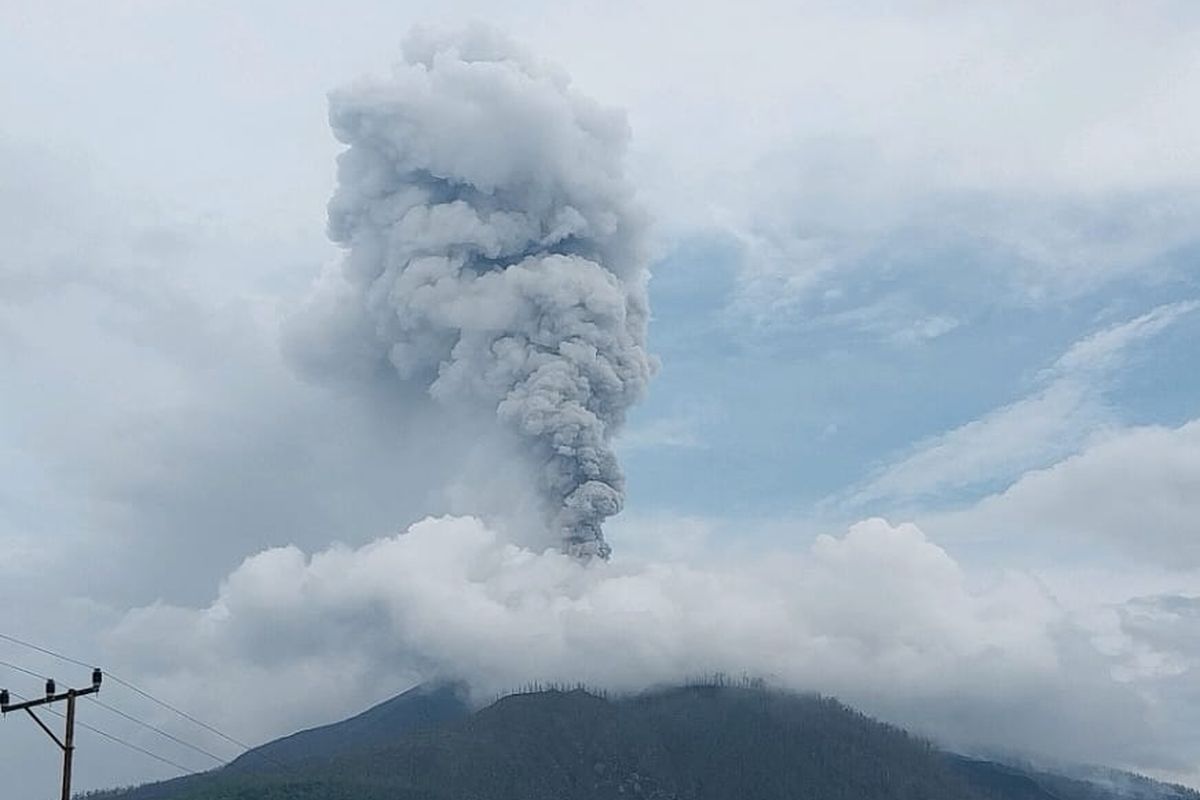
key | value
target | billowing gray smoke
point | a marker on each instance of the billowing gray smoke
(493, 250)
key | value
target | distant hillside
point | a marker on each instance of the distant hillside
(694, 743)
(418, 708)
(1024, 782)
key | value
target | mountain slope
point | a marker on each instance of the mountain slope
(694, 743)
(418, 708)
(1025, 782)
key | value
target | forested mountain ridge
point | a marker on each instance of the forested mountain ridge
(424, 706)
(691, 743)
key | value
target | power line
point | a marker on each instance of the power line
(32, 646)
(127, 685)
(120, 741)
(183, 714)
(157, 730)
(131, 746)
(245, 747)
(22, 669)
(129, 717)
(67, 743)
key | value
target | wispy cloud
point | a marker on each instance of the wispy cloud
(1105, 350)
(664, 432)
(682, 429)
(1137, 491)
(1053, 421)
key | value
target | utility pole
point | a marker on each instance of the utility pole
(67, 743)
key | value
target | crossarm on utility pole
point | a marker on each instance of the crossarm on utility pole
(67, 743)
(52, 698)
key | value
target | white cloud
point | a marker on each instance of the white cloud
(1063, 135)
(1032, 432)
(1137, 490)
(880, 616)
(1033, 429)
(1106, 349)
(1049, 159)
(683, 428)
(153, 433)
(677, 431)
(893, 319)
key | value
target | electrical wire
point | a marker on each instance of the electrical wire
(32, 646)
(119, 713)
(156, 729)
(127, 685)
(183, 714)
(119, 740)
(245, 747)
(22, 669)
(142, 750)
(117, 679)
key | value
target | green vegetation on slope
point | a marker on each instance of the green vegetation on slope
(693, 743)
(704, 743)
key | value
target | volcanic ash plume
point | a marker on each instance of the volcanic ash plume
(493, 252)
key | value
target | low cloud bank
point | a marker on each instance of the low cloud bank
(880, 616)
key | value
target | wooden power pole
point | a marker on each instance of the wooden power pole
(67, 743)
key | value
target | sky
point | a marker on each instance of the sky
(924, 431)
